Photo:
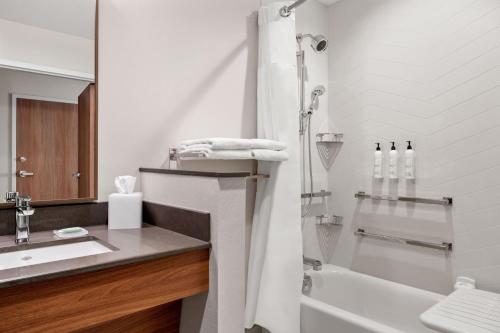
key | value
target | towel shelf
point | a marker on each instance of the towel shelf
(438, 246)
(445, 201)
(174, 156)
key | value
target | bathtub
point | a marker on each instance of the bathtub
(343, 301)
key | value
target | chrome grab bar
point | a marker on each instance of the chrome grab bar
(443, 246)
(445, 201)
(319, 194)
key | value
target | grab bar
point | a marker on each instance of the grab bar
(443, 246)
(445, 201)
(319, 194)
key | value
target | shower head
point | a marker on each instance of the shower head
(315, 93)
(318, 91)
(319, 43)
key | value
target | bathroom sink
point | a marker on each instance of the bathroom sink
(40, 253)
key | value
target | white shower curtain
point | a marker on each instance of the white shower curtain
(275, 266)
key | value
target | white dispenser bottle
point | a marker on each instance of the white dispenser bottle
(393, 162)
(378, 161)
(409, 162)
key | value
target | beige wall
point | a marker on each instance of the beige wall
(45, 50)
(172, 70)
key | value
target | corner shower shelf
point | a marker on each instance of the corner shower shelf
(330, 137)
(329, 145)
(445, 201)
(329, 220)
(320, 194)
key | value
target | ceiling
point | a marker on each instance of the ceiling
(73, 17)
(328, 2)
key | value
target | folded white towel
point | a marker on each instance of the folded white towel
(269, 155)
(237, 154)
(230, 143)
(268, 144)
(234, 154)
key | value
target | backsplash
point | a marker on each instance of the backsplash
(57, 217)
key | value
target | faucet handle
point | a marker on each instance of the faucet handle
(23, 200)
(11, 196)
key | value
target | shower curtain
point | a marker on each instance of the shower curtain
(275, 266)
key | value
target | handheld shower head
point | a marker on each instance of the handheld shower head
(318, 91)
(315, 93)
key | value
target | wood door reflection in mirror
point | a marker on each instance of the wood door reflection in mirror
(55, 146)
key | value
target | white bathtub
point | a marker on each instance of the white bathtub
(343, 301)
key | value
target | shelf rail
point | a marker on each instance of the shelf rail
(438, 246)
(445, 201)
(320, 194)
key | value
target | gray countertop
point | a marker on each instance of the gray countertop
(133, 245)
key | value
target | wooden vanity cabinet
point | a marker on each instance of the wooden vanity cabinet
(140, 297)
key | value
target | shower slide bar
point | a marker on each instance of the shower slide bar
(445, 201)
(437, 246)
(285, 11)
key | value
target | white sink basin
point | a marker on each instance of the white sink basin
(49, 253)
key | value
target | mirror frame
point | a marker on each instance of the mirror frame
(57, 202)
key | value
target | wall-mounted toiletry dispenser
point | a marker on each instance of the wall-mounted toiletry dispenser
(378, 162)
(393, 162)
(409, 162)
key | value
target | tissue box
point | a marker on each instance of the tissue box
(125, 210)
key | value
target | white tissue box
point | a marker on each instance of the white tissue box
(125, 210)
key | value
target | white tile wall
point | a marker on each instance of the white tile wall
(426, 71)
(312, 18)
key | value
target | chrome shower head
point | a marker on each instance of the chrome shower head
(319, 43)
(315, 93)
(318, 91)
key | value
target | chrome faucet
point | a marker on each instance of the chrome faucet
(307, 283)
(23, 213)
(316, 264)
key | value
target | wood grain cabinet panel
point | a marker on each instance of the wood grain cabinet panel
(143, 296)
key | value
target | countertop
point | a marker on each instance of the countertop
(133, 246)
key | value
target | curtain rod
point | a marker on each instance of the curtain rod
(285, 11)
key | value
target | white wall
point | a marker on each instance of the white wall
(22, 44)
(172, 70)
(23, 83)
(426, 71)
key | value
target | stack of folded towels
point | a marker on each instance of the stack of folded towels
(234, 149)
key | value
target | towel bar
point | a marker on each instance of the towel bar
(445, 201)
(438, 246)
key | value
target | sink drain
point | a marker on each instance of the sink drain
(26, 258)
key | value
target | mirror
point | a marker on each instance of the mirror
(48, 108)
